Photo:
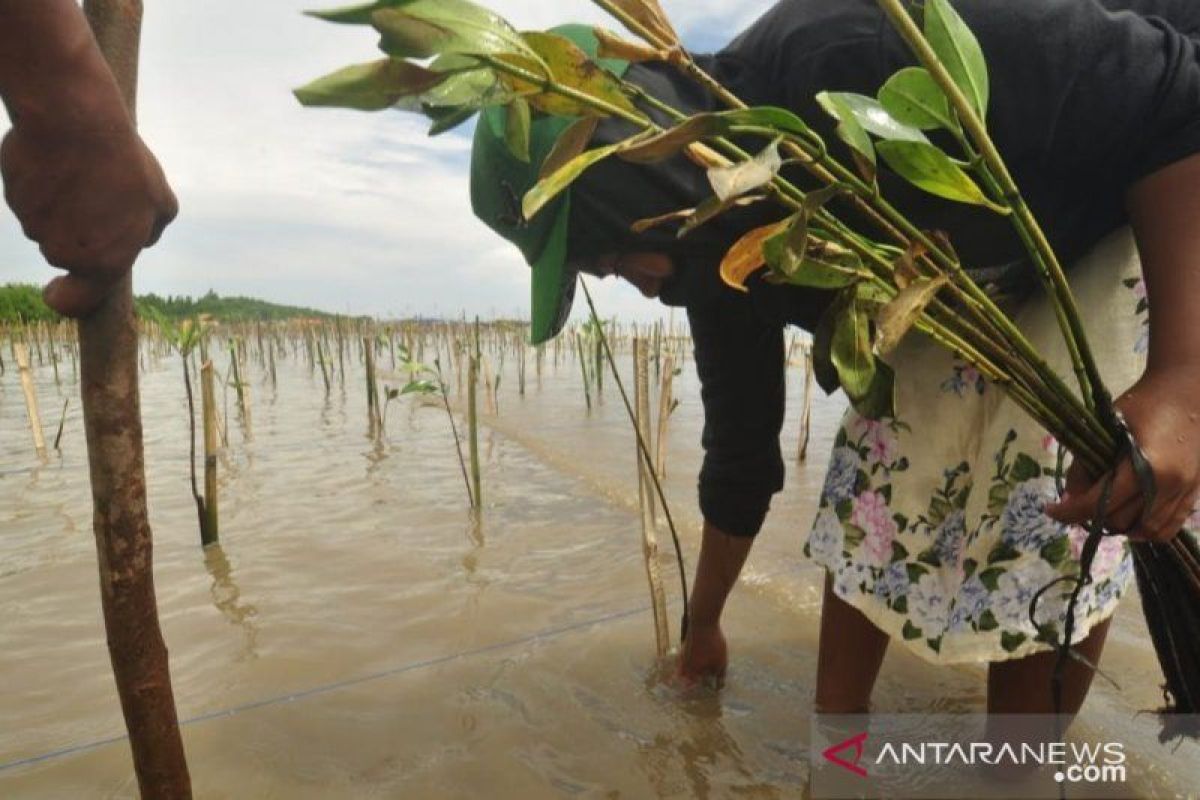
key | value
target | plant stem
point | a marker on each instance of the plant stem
(1043, 254)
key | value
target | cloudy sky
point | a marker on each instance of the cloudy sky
(341, 210)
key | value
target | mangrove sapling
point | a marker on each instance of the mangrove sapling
(186, 337)
(62, 421)
(644, 450)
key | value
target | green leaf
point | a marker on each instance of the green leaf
(851, 350)
(448, 118)
(570, 67)
(517, 122)
(958, 49)
(425, 28)
(369, 87)
(874, 118)
(910, 631)
(913, 98)
(738, 179)
(899, 551)
(987, 621)
(850, 131)
(928, 168)
(823, 369)
(880, 400)
(854, 535)
(420, 387)
(898, 316)
(553, 184)
(778, 119)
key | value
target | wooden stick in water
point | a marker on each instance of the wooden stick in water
(108, 365)
(209, 527)
(666, 401)
(806, 413)
(21, 353)
(646, 500)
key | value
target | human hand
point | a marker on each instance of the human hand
(1162, 411)
(90, 194)
(703, 655)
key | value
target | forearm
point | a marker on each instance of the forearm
(1164, 208)
(51, 71)
(721, 560)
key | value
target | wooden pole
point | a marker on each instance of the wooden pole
(209, 526)
(108, 353)
(21, 353)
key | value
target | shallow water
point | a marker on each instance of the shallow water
(356, 635)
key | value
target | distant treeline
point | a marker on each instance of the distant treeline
(23, 303)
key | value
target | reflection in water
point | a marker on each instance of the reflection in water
(699, 745)
(225, 596)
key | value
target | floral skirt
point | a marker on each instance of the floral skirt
(930, 523)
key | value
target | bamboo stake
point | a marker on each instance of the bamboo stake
(21, 353)
(666, 403)
(124, 542)
(209, 526)
(658, 596)
(806, 413)
(473, 422)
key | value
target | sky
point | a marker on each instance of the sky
(345, 211)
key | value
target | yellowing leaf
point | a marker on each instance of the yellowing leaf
(650, 15)
(571, 67)
(570, 143)
(552, 185)
(897, 317)
(672, 141)
(613, 46)
(746, 255)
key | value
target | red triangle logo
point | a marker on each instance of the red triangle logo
(857, 742)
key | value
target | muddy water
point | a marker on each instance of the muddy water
(356, 635)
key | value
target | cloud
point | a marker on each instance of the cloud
(341, 210)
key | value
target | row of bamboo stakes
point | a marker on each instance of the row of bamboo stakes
(475, 353)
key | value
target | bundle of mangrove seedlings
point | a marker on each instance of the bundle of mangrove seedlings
(448, 59)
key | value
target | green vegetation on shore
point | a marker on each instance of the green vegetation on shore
(23, 303)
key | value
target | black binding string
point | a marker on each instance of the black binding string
(1127, 446)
